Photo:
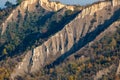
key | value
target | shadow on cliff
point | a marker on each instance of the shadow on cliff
(30, 40)
(86, 39)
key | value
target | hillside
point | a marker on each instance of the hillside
(43, 40)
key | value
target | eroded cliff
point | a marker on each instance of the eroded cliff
(83, 29)
(30, 5)
(118, 69)
(54, 6)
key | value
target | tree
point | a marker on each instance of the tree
(4, 51)
(71, 78)
(89, 65)
(8, 4)
(113, 43)
(19, 1)
(4, 74)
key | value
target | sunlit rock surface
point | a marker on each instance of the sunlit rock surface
(73, 35)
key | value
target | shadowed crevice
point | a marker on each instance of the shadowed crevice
(30, 39)
(86, 39)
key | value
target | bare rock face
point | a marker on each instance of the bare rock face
(118, 69)
(115, 2)
(91, 21)
(54, 6)
(94, 8)
(23, 66)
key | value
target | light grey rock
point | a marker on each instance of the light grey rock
(23, 67)
(118, 69)
(80, 31)
(64, 40)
